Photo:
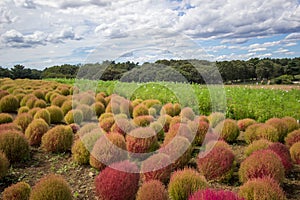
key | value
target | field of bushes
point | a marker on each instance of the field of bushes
(126, 141)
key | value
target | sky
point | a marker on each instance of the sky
(43, 33)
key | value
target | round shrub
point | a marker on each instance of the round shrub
(31, 101)
(140, 110)
(152, 190)
(44, 115)
(179, 150)
(283, 152)
(86, 129)
(33, 111)
(177, 109)
(156, 167)
(75, 127)
(152, 103)
(115, 184)
(58, 100)
(18, 191)
(211, 194)
(280, 126)
(105, 115)
(14, 145)
(187, 113)
(58, 139)
(177, 119)
(165, 121)
(261, 188)
(219, 143)
(217, 164)
(100, 98)
(35, 131)
(10, 126)
(257, 145)
(185, 182)
(67, 106)
(9, 103)
(122, 126)
(3, 93)
(261, 131)
(295, 153)
(5, 118)
(250, 133)
(99, 108)
(291, 123)
(158, 128)
(40, 94)
(260, 164)
(108, 149)
(168, 109)
(87, 112)
(4, 165)
(215, 118)
(87, 99)
(83, 146)
(23, 109)
(51, 187)
(244, 123)
(143, 120)
(141, 140)
(74, 116)
(228, 130)
(56, 114)
(200, 128)
(292, 138)
(179, 129)
(107, 123)
(40, 103)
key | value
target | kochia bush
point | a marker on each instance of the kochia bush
(244, 123)
(283, 152)
(140, 110)
(9, 103)
(179, 129)
(74, 116)
(291, 123)
(215, 118)
(18, 191)
(211, 194)
(56, 114)
(292, 138)
(187, 113)
(4, 165)
(295, 153)
(23, 120)
(5, 118)
(280, 126)
(257, 145)
(228, 130)
(118, 182)
(43, 114)
(152, 190)
(35, 131)
(185, 182)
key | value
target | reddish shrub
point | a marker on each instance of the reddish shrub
(243, 124)
(200, 128)
(156, 167)
(18, 191)
(261, 188)
(260, 164)
(215, 118)
(187, 113)
(51, 187)
(291, 123)
(141, 140)
(217, 143)
(292, 138)
(185, 182)
(158, 128)
(165, 121)
(152, 190)
(168, 109)
(295, 153)
(143, 120)
(140, 110)
(280, 126)
(228, 130)
(283, 152)
(9, 126)
(118, 182)
(108, 149)
(211, 194)
(107, 123)
(122, 126)
(217, 165)
(179, 129)
(34, 132)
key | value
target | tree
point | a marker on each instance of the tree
(5, 73)
(293, 68)
(264, 69)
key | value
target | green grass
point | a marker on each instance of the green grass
(240, 102)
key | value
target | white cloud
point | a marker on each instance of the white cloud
(258, 49)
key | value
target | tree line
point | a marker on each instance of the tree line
(282, 70)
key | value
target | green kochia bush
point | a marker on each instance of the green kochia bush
(292, 138)
(18, 191)
(9, 103)
(280, 126)
(295, 153)
(4, 165)
(257, 145)
(51, 187)
(228, 130)
(14, 145)
(215, 118)
(217, 165)
(23, 120)
(43, 114)
(260, 164)
(74, 116)
(152, 190)
(5, 118)
(185, 182)
(56, 114)
(261, 131)
(58, 139)
(291, 123)
(118, 182)
(34, 132)
(261, 188)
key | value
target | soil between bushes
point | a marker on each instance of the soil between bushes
(81, 178)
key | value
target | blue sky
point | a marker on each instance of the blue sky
(43, 33)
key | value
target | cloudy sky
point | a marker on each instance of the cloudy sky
(42, 33)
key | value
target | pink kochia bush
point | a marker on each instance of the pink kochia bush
(283, 152)
(260, 164)
(118, 182)
(217, 164)
(211, 194)
(261, 188)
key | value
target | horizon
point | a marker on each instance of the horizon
(40, 34)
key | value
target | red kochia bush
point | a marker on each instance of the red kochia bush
(211, 194)
(156, 167)
(118, 182)
(18, 191)
(261, 188)
(292, 138)
(152, 190)
(283, 152)
(260, 164)
(217, 164)
(35, 131)
(244, 123)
